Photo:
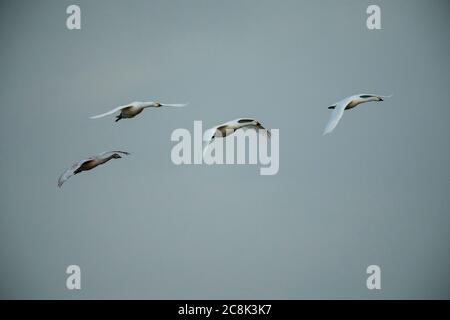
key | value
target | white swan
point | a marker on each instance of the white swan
(228, 128)
(346, 104)
(89, 163)
(134, 108)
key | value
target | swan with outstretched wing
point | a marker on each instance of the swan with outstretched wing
(225, 129)
(346, 104)
(89, 164)
(132, 109)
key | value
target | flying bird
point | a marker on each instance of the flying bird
(134, 108)
(230, 127)
(89, 163)
(346, 104)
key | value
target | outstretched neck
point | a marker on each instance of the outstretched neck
(101, 161)
(372, 99)
(149, 104)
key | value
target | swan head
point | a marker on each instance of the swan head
(157, 104)
(116, 156)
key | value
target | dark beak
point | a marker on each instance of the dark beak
(380, 99)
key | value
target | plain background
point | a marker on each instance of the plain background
(375, 191)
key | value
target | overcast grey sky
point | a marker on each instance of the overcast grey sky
(375, 191)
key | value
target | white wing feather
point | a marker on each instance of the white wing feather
(207, 138)
(336, 115)
(109, 112)
(176, 105)
(71, 171)
(108, 153)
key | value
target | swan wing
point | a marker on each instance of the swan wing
(110, 112)
(71, 171)
(336, 115)
(174, 105)
(108, 153)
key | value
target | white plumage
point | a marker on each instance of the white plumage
(134, 108)
(346, 104)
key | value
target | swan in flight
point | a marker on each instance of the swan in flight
(346, 104)
(228, 128)
(89, 163)
(134, 108)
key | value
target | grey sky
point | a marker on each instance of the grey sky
(375, 191)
